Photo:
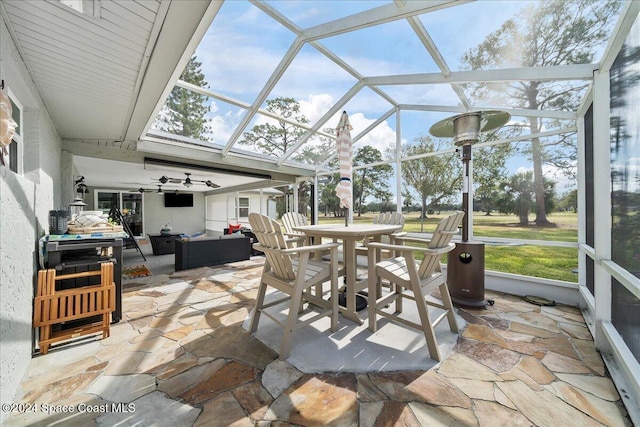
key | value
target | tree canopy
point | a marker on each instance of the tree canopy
(544, 34)
(277, 138)
(435, 179)
(371, 181)
(185, 112)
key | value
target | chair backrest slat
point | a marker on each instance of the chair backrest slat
(293, 219)
(393, 218)
(270, 235)
(389, 218)
(445, 230)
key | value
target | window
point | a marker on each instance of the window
(15, 148)
(243, 207)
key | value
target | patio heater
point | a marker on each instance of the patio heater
(465, 264)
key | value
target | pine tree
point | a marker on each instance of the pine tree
(185, 112)
(544, 34)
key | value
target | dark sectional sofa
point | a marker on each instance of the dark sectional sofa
(209, 251)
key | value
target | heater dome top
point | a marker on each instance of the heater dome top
(470, 122)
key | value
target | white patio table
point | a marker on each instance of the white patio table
(350, 235)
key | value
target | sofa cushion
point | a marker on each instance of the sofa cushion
(232, 236)
(209, 251)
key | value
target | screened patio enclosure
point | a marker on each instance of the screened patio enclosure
(397, 67)
(391, 66)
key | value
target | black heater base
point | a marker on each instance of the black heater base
(465, 274)
(466, 303)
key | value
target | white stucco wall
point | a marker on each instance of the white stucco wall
(25, 202)
(186, 220)
(221, 208)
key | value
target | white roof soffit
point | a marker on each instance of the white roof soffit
(212, 156)
(172, 51)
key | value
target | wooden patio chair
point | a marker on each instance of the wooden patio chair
(295, 219)
(413, 279)
(394, 218)
(291, 271)
(53, 306)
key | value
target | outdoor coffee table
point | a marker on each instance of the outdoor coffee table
(350, 235)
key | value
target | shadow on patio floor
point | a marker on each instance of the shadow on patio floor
(181, 356)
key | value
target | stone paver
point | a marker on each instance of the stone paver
(151, 409)
(180, 356)
(122, 388)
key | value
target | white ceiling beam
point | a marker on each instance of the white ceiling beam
(491, 143)
(373, 125)
(264, 93)
(368, 129)
(555, 73)
(529, 137)
(214, 158)
(333, 110)
(241, 104)
(291, 26)
(171, 52)
(376, 16)
(251, 186)
(273, 13)
(453, 149)
(630, 11)
(431, 47)
(345, 66)
(564, 115)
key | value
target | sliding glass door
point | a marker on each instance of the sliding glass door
(130, 204)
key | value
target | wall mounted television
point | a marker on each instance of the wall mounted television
(178, 200)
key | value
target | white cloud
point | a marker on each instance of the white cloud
(381, 137)
(315, 106)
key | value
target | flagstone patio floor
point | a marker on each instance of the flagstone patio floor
(181, 357)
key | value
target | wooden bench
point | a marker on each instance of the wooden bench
(53, 306)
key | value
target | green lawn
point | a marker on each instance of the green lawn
(539, 261)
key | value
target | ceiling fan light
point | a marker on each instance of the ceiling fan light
(77, 201)
(187, 183)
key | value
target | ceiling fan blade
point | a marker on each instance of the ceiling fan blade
(211, 184)
(164, 179)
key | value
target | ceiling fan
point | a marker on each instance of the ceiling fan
(187, 182)
(151, 190)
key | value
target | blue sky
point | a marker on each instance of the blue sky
(244, 45)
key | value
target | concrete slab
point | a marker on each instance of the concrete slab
(354, 348)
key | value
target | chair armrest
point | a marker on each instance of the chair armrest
(312, 248)
(402, 248)
(402, 238)
(295, 239)
(295, 234)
